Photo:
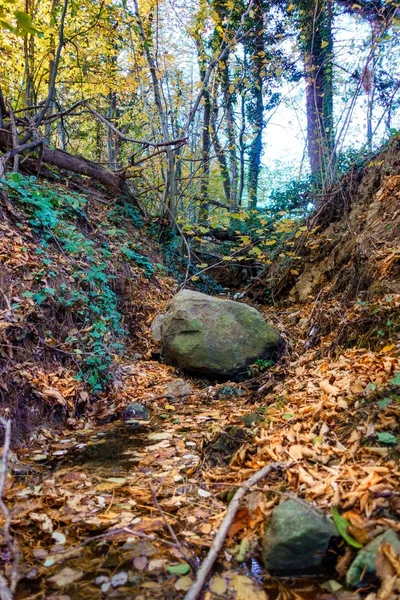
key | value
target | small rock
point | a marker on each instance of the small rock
(228, 390)
(251, 419)
(119, 579)
(296, 540)
(135, 411)
(362, 569)
(178, 389)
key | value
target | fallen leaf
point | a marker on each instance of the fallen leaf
(65, 577)
(44, 521)
(119, 579)
(181, 569)
(246, 589)
(140, 563)
(183, 584)
(218, 585)
(329, 389)
(59, 537)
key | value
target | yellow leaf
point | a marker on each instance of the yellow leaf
(218, 585)
(324, 44)
(388, 348)
(294, 272)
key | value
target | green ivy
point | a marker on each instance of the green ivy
(53, 215)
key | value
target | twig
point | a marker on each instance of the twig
(7, 589)
(180, 142)
(219, 539)
(171, 531)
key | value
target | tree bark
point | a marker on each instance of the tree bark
(220, 154)
(255, 151)
(205, 140)
(317, 44)
(231, 134)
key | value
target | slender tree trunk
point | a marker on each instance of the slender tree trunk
(170, 188)
(242, 149)
(113, 140)
(220, 154)
(205, 140)
(257, 46)
(52, 52)
(29, 57)
(231, 134)
(316, 40)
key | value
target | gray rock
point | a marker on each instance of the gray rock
(364, 563)
(296, 540)
(217, 337)
(228, 390)
(179, 388)
(135, 412)
(156, 328)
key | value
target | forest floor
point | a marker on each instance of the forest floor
(91, 503)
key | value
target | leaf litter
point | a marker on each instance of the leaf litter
(83, 509)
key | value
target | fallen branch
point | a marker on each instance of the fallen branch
(206, 567)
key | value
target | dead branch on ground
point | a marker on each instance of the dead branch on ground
(219, 539)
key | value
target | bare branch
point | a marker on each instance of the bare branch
(204, 571)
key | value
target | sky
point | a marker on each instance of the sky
(284, 138)
(285, 133)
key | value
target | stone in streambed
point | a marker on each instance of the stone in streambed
(362, 569)
(215, 337)
(135, 412)
(179, 388)
(296, 541)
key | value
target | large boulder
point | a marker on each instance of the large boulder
(297, 540)
(216, 337)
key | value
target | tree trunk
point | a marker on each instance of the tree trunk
(205, 141)
(316, 40)
(170, 187)
(29, 56)
(242, 149)
(220, 154)
(114, 183)
(231, 134)
(257, 57)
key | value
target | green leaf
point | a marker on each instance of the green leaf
(182, 569)
(384, 403)
(342, 524)
(387, 438)
(395, 380)
(24, 23)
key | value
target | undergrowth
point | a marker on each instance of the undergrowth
(84, 286)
